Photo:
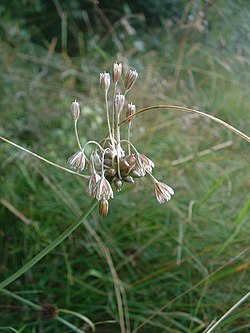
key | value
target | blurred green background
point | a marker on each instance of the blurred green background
(189, 53)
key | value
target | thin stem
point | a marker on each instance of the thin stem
(107, 114)
(243, 299)
(202, 281)
(20, 299)
(43, 159)
(39, 308)
(79, 315)
(118, 143)
(184, 109)
(129, 133)
(129, 143)
(154, 179)
(93, 142)
(117, 283)
(103, 153)
(50, 247)
(113, 111)
(77, 136)
(66, 323)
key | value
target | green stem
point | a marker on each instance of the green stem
(20, 299)
(107, 114)
(50, 247)
(129, 132)
(77, 136)
(113, 111)
(66, 323)
(39, 308)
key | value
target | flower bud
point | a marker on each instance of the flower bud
(104, 207)
(135, 174)
(117, 72)
(131, 110)
(111, 172)
(105, 81)
(130, 79)
(75, 110)
(128, 179)
(118, 185)
(119, 102)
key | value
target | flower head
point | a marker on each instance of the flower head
(117, 72)
(130, 79)
(77, 161)
(163, 192)
(103, 190)
(105, 81)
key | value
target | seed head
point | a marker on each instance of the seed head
(117, 72)
(103, 190)
(104, 207)
(105, 81)
(131, 110)
(75, 110)
(119, 102)
(130, 79)
(77, 161)
(49, 311)
(163, 192)
(92, 183)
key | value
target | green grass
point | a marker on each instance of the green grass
(181, 264)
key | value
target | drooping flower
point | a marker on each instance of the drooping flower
(77, 161)
(163, 192)
(103, 190)
(144, 165)
(95, 177)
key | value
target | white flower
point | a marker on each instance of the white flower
(77, 161)
(163, 192)
(143, 165)
(103, 190)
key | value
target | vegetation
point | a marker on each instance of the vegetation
(181, 264)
